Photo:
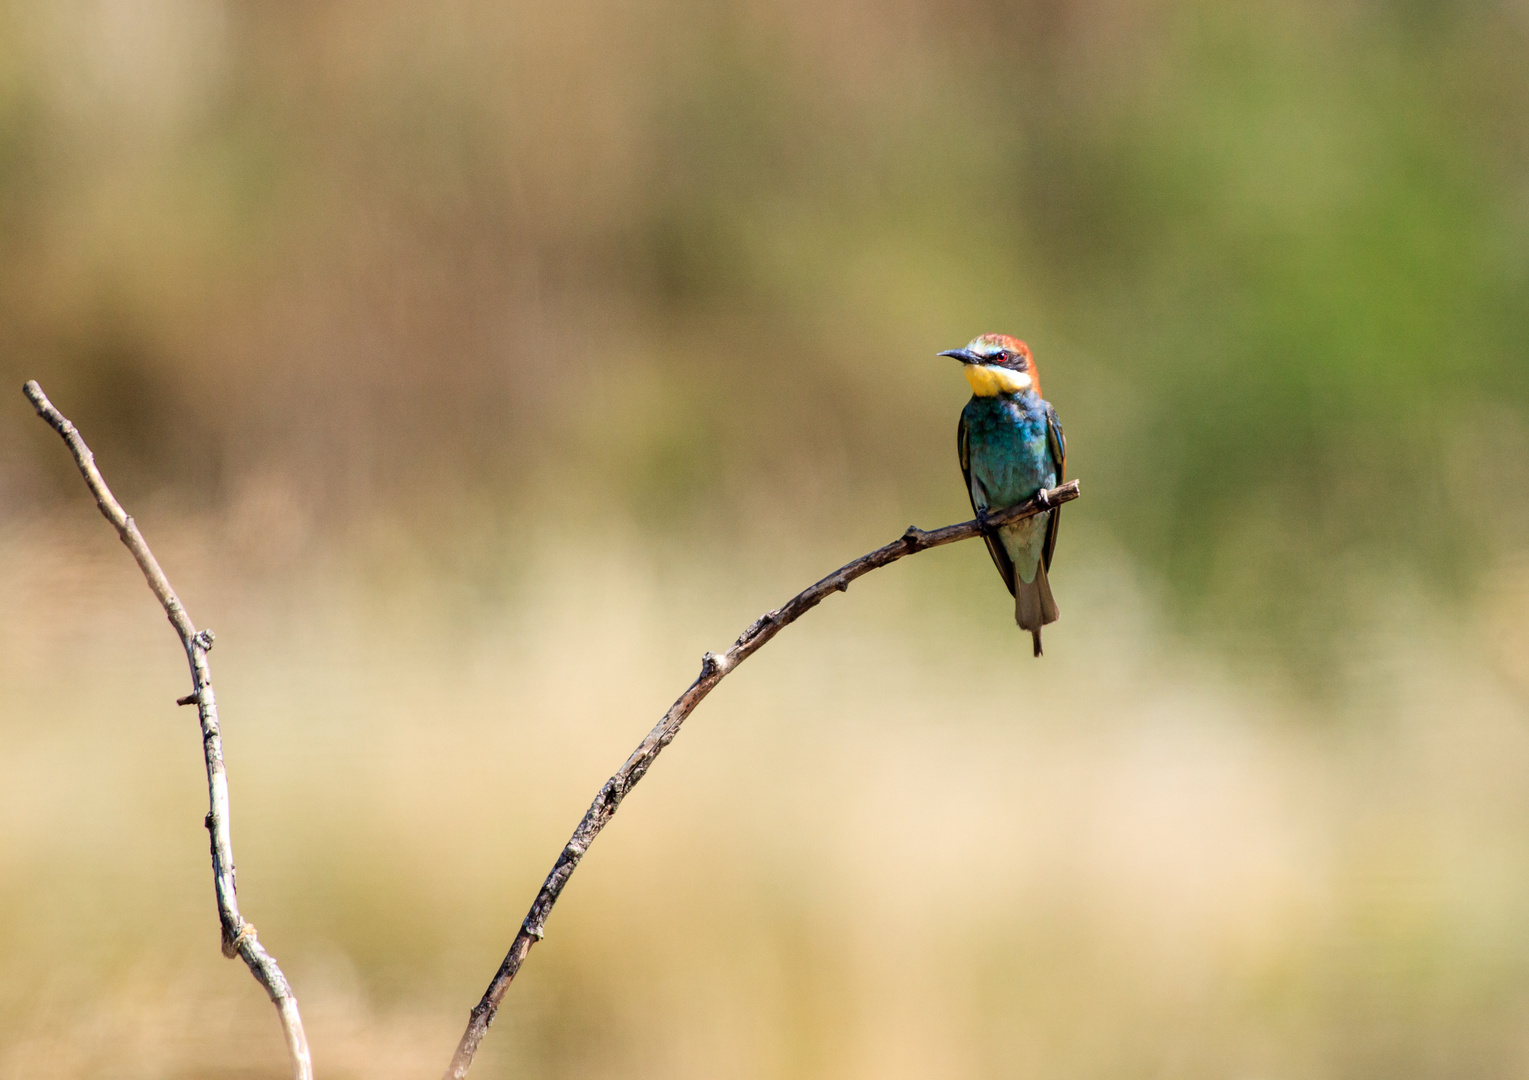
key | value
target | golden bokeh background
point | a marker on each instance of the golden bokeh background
(474, 367)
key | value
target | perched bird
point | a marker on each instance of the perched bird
(1012, 447)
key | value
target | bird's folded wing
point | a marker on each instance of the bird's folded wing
(1058, 444)
(994, 548)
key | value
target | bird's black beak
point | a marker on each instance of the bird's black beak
(966, 356)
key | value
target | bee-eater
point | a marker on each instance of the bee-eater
(1012, 447)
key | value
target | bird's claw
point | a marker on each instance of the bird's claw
(1043, 497)
(984, 525)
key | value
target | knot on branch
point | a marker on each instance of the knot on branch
(757, 626)
(613, 791)
(231, 944)
(533, 930)
(204, 640)
(913, 539)
(190, 699)
(711, 665)
(841, 584)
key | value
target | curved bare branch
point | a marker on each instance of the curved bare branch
(714, 669)
(238, 936)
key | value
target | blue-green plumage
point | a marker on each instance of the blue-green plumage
(1012, 447)
(1009, 459)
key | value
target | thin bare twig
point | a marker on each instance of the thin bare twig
(238, 936)
(713, 669)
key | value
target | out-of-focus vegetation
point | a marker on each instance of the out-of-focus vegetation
(441, 349)
(1272, 259)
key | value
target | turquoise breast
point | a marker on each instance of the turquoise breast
(1009, 457)
(1010, 454)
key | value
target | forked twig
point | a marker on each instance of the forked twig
(238, 936)
(713, 669)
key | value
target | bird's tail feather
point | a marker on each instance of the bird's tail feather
(1034, 605)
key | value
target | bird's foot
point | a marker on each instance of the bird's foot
(1043, 497)
(985, 526)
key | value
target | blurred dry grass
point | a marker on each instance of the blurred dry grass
(474, 367)
(858, 861)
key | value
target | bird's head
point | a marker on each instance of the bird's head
(998, 364)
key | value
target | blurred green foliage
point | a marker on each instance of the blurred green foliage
(445, 343)
(688, 259)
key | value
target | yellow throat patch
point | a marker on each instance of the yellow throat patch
(989, 381)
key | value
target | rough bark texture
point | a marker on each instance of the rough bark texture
(713, 669)
(238, 936)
